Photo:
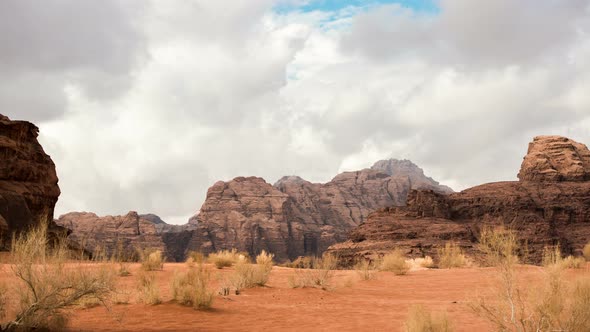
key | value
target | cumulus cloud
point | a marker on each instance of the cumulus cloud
(144, 105)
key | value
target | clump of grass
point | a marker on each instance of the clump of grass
(553, 305)
(195, 257)
(571, 262)
(422, 320)
(151, 260)
(147, 287)
(47, 287)
(225, 258)
(319, 275)
(395, 262)
(586, 251)
(427, 262)
(251, 275)
(499, 246)
(192, 288)
(365, 269)
(300, 263)
(451, 256)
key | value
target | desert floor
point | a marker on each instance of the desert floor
(351, 304)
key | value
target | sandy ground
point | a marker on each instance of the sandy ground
(350, 305)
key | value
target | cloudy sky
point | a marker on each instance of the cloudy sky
(145, 104)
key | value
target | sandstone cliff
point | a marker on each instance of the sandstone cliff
(549, 205)
(28, 180)
(296, 217)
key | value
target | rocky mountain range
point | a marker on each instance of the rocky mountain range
(549, 205)
(291, 218)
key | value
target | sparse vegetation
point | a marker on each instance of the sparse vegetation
(47, 287)
(395, 262)
(151, 260)
(422, 320)
(192, 288)
(225, 258)
(147, 287)
(365, 269)
(553, 306)
(571, 262)
(319, 275)
(451, 256)
(586, 251)
(195, 257)
(427, 262)
(250, 275)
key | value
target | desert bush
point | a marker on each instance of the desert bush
(586, 251)
(427, 262)
(319, 275)
(421, 320)
(195, 257)
(47, 286)
(395, 262)
(551, 305)
(264, 265)
(303, 262)
(225, 258)
(365, 269)
(147, 288)
(451, 256)
(192, 288)
(151, 260)
(499, 246)
(250, 275)
(571, 262)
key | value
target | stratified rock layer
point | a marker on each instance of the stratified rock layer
(550, 205)
(28, 180)
(296, 217)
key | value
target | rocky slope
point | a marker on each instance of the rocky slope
(296, 217)
(28, 180)
(549, 205)
(292, 218)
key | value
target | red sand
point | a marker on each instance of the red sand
(351, 305)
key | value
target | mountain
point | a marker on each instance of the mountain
(549, 205)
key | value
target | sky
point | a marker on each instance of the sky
(143, 105)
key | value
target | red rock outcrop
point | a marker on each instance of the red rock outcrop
(296, 217)
(549, 205)
(130, 231)
(28, 180)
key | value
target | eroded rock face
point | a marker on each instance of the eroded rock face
(28, 180)
(111, 233)
(296, 217)
(555, 158)
(549, 205)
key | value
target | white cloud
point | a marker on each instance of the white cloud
(145, 113)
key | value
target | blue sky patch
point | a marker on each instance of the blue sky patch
(334, 5)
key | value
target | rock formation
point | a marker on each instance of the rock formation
(28, 180)
(549, 205)
(296, 217)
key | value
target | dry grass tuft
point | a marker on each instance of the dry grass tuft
(571, 262)
(427, 262)
(226, 258)
(319, 275)
(47, 287)
(251, 275)
(147, 287)
(366, 269)
(195, 257)
(395, 262)
(422, 320)
(192, 288)
(151, 260)
(451, 256)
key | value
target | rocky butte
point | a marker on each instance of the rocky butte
(549, 205)
(291, 218)
(28, 180)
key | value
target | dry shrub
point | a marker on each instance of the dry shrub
(192, 288)
(422, 320)
(571, 262)
(395, 262)
(553, 305)
(147, 288)
(319, 275)
(251, 275)
(303, 262)
(195, 257)
(3, 300)
(427, 262)
(586, 251)
(451, 256)
(47, 286)
(226, 258)
(366, 269)
(122, 259)
(151, 259)
(499, 246)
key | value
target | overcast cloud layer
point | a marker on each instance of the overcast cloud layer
(144, 105)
